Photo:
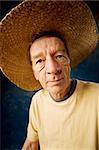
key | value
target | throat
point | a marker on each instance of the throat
(69, 92)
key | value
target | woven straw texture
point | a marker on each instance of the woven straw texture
(73, 19)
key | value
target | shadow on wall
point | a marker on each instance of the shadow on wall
(15, 102)
(14, 111)
(88, 70)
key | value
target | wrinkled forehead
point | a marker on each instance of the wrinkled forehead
(47, 42)
(47, 45)
(47, 34)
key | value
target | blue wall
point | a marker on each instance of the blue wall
(15, 101)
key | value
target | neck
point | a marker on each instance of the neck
(70, 90)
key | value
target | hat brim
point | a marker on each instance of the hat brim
(73, 20)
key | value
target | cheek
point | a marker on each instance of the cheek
(35, 72)
(66, 71)
(42, 79)
(40, 76)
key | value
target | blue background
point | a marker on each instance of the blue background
(15, 101)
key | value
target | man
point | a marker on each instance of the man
(51, 108)
(64, 114)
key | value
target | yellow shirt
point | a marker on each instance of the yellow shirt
(72, 124)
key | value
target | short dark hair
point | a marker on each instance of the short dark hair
(50, 34)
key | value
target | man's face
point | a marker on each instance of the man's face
(51, 65)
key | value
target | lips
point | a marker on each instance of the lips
(55, 81)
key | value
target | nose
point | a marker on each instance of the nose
(52, 66)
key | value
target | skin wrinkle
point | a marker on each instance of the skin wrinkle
(51, 65)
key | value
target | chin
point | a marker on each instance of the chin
(55, 89)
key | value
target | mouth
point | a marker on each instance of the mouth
(55, 81)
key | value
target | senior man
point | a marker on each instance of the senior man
(43, 40)
(63, 114)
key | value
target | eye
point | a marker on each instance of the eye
(39, 61)
(59, 56)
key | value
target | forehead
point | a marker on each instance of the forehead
(47, 43)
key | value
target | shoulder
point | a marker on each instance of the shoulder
(40, 96)
(88, 92)
(41, 93)
(89, 87)
(88, 84)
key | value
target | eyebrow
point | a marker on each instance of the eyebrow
(37, 55)
(61, 50)
(40, 54)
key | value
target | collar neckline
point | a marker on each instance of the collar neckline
(70, 92)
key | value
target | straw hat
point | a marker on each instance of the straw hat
(73, 20)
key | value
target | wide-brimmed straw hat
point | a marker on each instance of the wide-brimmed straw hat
(74, 20)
